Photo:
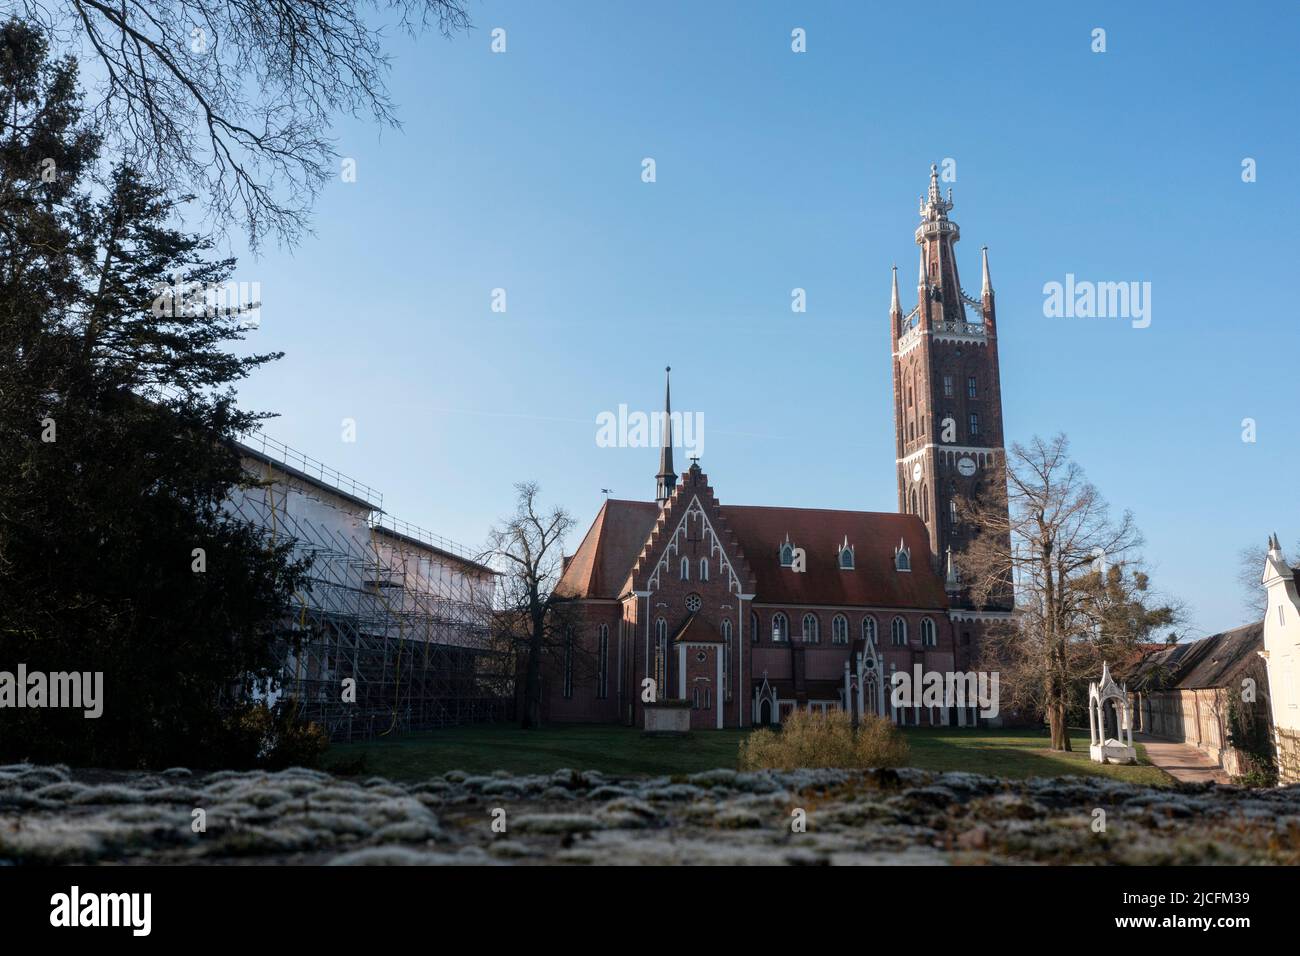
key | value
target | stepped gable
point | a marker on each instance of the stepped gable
(694, 484)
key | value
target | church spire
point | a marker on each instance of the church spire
(666, 480)
(986, 289)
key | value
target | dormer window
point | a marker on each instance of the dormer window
(787, 553)
(902, 557)
(846, 555)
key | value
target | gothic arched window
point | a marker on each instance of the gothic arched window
(928, 638)
(753, 627)
(839, 629)
(869, 629)
(568, 663)
(686, 569)
(780, 628)
(726, 658)
(787, 555)
(811, 634)
(898, 632)
(704, 569)
(661, 657)
(602, 662)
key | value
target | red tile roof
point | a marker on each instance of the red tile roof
(600, 566)
(874, 536)
(697, 630)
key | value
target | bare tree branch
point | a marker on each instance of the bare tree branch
(234, 99)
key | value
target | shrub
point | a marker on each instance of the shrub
(808, 739)
(269, 738)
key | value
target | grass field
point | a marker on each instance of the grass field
(624, 750)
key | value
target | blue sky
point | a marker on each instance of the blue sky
(778, 170)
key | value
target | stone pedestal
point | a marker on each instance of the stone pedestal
(668, 718)
(1112, 751)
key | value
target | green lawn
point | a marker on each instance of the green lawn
(1019, 753)
(624, 750)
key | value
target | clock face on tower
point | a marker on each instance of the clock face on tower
(917, 471)
(966, 467)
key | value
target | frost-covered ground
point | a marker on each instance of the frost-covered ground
(49, 814)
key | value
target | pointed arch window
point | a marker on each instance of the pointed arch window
(686, 569)
(898, 632)
(928, 637)
(974, 425)
(869, 629)
(780, 628)
(972, 387)
(839, 629)
(602, 662)
(903, 558)
(726, 658)
(753, 627)
(811, 632)
(787, 555)
(661, 658)
(704, 569)
(568, 663)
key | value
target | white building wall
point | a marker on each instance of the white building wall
(1282, 651)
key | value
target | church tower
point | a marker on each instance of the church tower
(947, 392)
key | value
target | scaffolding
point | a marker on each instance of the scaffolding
(419, 651)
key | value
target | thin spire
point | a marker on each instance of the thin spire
(894, 307)
(666, 480)
(987, 288)
(921, 276)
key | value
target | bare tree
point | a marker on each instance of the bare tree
(1250, 570)
(234, 99)
(530, 618)
(1081, 594)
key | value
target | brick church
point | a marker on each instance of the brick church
(748, 612)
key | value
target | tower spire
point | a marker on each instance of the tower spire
(986, 289)
(666, 480)
(894, 307)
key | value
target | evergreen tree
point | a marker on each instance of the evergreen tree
(117, 418)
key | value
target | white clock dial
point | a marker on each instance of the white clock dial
(966, 467)
(917, 471)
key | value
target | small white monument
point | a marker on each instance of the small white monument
(1112, 749)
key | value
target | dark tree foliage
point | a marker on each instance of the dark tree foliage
(236, 98)
(116, 417)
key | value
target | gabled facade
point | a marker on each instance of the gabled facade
(747, 612)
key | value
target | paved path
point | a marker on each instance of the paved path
(1183, 762)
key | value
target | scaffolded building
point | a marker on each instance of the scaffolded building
(390, 634)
